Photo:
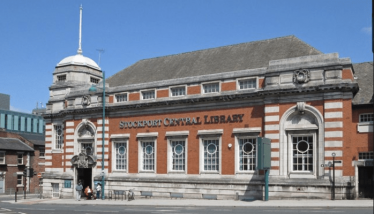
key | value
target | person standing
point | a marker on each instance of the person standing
(98, 190)
(78, 189)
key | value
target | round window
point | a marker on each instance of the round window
(248, 148)
(211, 148)
(178, 149)
(302, 146)
(121, 150)
(59, 132)
(148, 150)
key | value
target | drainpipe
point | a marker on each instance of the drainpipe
(28, 166)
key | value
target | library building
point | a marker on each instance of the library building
(186, 125)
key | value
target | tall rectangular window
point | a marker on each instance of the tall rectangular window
(41, 153)
(19, 179)
(87, 148)
(121, 98)
(247, 83)
(247, 154)
(302, 149)
(59, 138)
(121, 155)
(211, 154)
(366, 117)
(178, 152)
(178, 91)
(148, 155)
(20, 159)
(2, 157)
(211, 88)
(148, 95)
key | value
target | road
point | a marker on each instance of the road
(6, 208)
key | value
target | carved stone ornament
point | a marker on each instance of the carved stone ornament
(86, 100)
(83, 161)
(301, 76)
(85, 130)
(300, 107)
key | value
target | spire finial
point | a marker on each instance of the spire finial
(80, 32)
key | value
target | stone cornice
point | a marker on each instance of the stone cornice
(222, 97)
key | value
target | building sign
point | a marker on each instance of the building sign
(235, 118)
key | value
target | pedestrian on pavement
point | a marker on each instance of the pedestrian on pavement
(89, 193)
(79, 189)
(98, 190)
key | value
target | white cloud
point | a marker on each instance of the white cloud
(366, 30)
(12, 108)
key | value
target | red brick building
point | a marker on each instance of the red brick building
(17, 154)
(187, 124)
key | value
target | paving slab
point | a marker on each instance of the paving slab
(206, 203)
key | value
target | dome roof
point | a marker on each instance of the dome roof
(78, 59)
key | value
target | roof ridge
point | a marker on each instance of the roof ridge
(232, 45)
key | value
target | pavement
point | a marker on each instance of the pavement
(311, 203)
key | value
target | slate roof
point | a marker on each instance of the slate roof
(14, 144)
(364, 78)
(36, 139)
(242, 56)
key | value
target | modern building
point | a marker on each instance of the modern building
(187, 124)
(4, 101)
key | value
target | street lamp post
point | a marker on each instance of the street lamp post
(329, 164)
(93, 90)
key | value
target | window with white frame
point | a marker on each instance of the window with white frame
(20, 158)
(19, 180)
(247, 83)
(2, 157)
(211, 155)
(211, 88)
(59, 139)
(41, 153)
(247, 153)
(61, 78)
(87, 148)
(147, 95)
(365, 155)
(368, 117)
(302, 153)
(178, 155)
(120, 155)
(121, 98)
(178, 91)
(147, 155)
(94, 80)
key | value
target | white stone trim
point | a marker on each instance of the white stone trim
(329, 153)
(271, 127)
(333, 124)
(100, 121)
(271, 118)
(301, 127)
(333, 105)
(100, 136)
(177, 133)
(274, 172)
(119, 136)
(337, 114)
(48, 157)
(68, 124)
(272, 136)
(48, 163)
(246, 130)
(100, 128)
(147, 134)
(271, 109)
(69, 137)
(48, 133)
(69, 156)
(274, 163)
(338, 173)
(49, 139)
(274, 145)
(274, 154)
(69, 143)
(48, 127)
(210, 131)
(69, 150)
(69, 130)
(365, 127)
(333, 143)
(334, 134)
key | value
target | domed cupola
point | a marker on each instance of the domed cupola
(77, 69)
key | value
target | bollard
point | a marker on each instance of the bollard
(15, 195)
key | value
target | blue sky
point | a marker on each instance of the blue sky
(37, 34)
